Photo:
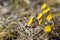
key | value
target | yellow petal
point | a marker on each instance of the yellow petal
(40, 21)
(46, 10)
(44, 6)
(39, 16)
(49, 17)
(47, 28)
(30, 21)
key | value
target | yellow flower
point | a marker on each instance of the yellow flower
(46, 10)
(39, 16)
(49, 17)
(43, 6)
(30, 21)
(40, 21)
(47, 28)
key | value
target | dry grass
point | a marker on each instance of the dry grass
(14, 16)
